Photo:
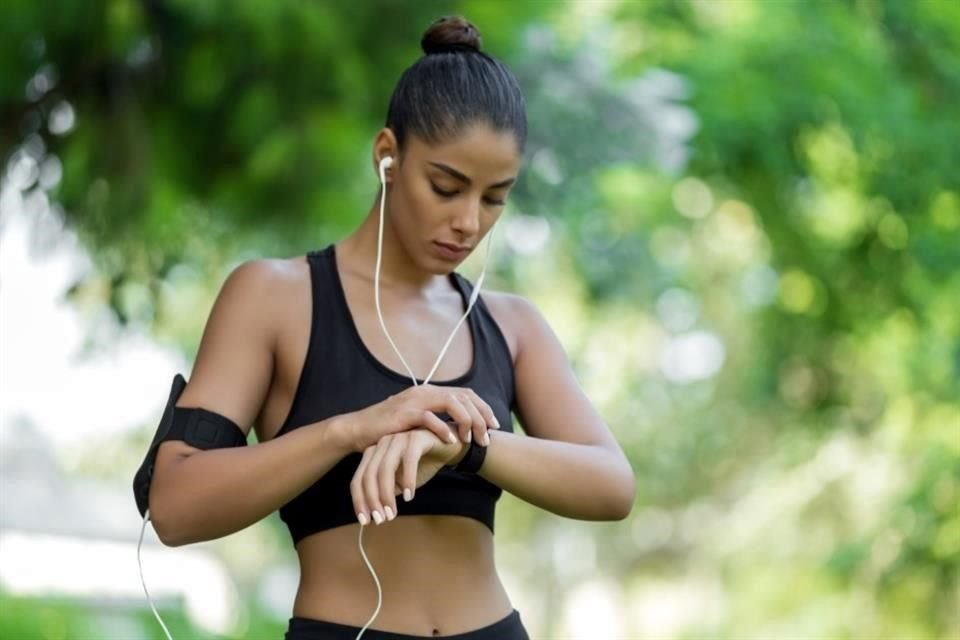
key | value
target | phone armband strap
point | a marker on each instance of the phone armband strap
(197, 427)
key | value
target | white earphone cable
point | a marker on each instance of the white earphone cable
(376, 288)
(386, 162)
(146, 517)
(376, 294)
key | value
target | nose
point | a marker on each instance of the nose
(467, 220)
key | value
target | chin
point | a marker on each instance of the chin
(440, 267)
(434, 262)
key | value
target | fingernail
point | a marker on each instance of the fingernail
(389, 511)
(486, 439)
(363, 520)
(469, 436)
(407, 495)
(377, 517)
(452, 438)
(496, 423)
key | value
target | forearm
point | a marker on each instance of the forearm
(579, 481)
(214, 493)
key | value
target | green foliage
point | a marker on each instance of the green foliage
(246, 125)
(781, 177)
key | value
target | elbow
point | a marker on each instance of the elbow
(164, 525)
(624, 511)
(617, 493)
(621, 488)
(171, 537)
(163, 531)
(626, 496)
(621, 510)
(170, 540)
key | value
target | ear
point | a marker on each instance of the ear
(385, 144)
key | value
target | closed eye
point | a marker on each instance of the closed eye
(450, 194)
(441, 192)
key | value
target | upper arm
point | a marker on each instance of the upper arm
(234, 363)
(550, 402)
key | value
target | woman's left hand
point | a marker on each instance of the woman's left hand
(396, 463)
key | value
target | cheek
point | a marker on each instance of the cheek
(425, 205)
(408, 200)
(418, 209)
(414, 194)
(426, 199)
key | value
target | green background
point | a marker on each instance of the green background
(753, 260)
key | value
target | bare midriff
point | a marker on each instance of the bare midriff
(437, 574)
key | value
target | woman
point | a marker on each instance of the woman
(296, 348)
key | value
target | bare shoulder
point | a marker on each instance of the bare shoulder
(234, 363)
(239, 339)
(260, 275)
(550, 403)
(515, 315)
(272, 282)
(278, 272)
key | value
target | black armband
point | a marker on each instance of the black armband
(197, 427)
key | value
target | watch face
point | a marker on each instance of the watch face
(473, 460)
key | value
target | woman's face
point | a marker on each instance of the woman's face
(442, 199)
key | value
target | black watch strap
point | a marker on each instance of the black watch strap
(473, 460)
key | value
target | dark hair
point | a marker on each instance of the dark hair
(454, 85)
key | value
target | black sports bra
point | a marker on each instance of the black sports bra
(340, 375)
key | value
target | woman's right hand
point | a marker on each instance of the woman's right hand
(417, 407)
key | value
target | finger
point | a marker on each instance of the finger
(371, 491)
(479, 425)
(356, 488)
(387, 476)
(439, 428)
(408, 472)
(446, 400)
(485, 410)
(461, 415)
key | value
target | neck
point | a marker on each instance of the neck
(397, 270)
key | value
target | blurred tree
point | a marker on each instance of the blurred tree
(743, 219)
(196, 134)
(825, 160)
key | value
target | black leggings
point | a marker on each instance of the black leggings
(509, 628)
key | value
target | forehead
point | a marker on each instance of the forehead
(476, 150)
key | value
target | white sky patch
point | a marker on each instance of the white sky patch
(696, 355)
(43, 378)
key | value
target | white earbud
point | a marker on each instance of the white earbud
(385, 164)
(387, 161)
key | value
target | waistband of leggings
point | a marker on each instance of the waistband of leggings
(494, 631)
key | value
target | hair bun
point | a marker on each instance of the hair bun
(450, 33)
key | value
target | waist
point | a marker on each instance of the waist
(510, 627)
(437, 573)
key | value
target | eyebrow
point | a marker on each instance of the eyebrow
(459, 176)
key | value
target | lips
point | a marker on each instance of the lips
(454, 247)
(451, 251)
